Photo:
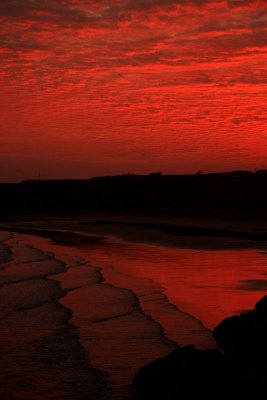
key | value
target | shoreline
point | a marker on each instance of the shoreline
(105, 302)
(94, 324)
(72, 233)
(170, 232)
(46, 339)
(80, 239)
(75, 243)
(72, 298)
(79, 234)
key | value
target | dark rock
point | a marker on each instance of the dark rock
(245, 335)
(183, 374)
(261, 306)
(240, 372)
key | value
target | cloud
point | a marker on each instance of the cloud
(180, 42)
(54, 11)
(79, 11)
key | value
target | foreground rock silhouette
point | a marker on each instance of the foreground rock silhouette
(245, 335)
(238, 371)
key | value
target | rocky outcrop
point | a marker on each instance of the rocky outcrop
(245, 335)
(237, 371)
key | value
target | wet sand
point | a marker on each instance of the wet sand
(62, 299)
(115, 304)
(169, 231)
(124, 323)
(41, 356)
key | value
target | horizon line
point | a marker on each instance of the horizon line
(150, 174)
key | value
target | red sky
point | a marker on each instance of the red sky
(92, 87)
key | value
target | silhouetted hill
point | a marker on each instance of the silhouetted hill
(239, 194)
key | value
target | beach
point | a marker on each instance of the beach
(82, 311)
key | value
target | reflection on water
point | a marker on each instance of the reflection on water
(209, 284)
(130, 303)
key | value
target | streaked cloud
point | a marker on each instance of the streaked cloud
(113, 79)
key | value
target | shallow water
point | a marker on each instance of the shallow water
(116, 305)
(208, 284)
(40, 353)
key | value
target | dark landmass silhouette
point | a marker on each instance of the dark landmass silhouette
(237, 371)
(239, 194)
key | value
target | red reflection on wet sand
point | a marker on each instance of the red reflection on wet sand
(209, 284)
(120, 336)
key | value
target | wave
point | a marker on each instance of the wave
(121, 325)
(43, 357)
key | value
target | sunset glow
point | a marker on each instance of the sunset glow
(107, 87)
